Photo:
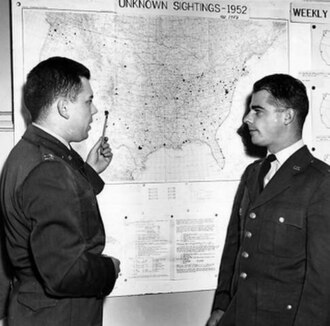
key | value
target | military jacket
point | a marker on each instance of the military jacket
(54, 235)
(275, 265)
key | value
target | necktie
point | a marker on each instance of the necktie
(265, 167)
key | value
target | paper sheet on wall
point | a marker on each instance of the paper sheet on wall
(318, 83)
(167, 242)
(318, 80)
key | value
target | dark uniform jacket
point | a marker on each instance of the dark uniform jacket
(54, 235)
(5, 279)
(275, 267)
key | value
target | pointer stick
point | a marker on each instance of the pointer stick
(106, 113)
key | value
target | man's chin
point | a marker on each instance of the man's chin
(82, 138)
(256, 141)
(87, 132)
(85, 137)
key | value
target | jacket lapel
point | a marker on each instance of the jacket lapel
(283, 178)
(252, 181)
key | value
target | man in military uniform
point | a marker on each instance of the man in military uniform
(53, 228)
(275, 265)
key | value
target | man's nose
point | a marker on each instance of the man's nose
(247, 118)
(94, 109)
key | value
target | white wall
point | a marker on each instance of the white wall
(6, 137)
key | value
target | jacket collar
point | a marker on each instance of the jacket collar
(51, 145)
(50, 132)
(295, 164)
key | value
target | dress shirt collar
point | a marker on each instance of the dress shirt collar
(285, 153)
(61, 139)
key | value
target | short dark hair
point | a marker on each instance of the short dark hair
(287, 91)
(51, 78)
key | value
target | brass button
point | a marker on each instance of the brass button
(248, 234)
(243, 275)
(288, 307)
(253, 215)
(281, 219)
(245, 254)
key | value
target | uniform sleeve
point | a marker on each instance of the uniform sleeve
(66, 260)
(5, 278)
(315, 298)
(94, 179)
(4, 285)
(222, 296)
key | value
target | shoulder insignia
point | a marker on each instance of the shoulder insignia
(48, 157)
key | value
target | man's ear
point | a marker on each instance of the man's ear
(62, 108)
(289, 116)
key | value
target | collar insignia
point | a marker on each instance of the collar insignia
(296, 167)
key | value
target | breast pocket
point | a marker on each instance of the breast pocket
(283, 233)
(290, 234)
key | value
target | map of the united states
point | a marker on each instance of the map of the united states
(168, 84)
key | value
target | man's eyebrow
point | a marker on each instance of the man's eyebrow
(254, 107)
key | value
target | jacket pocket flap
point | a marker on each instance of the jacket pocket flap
(277, 296)
(36, 301)
(291, 217)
